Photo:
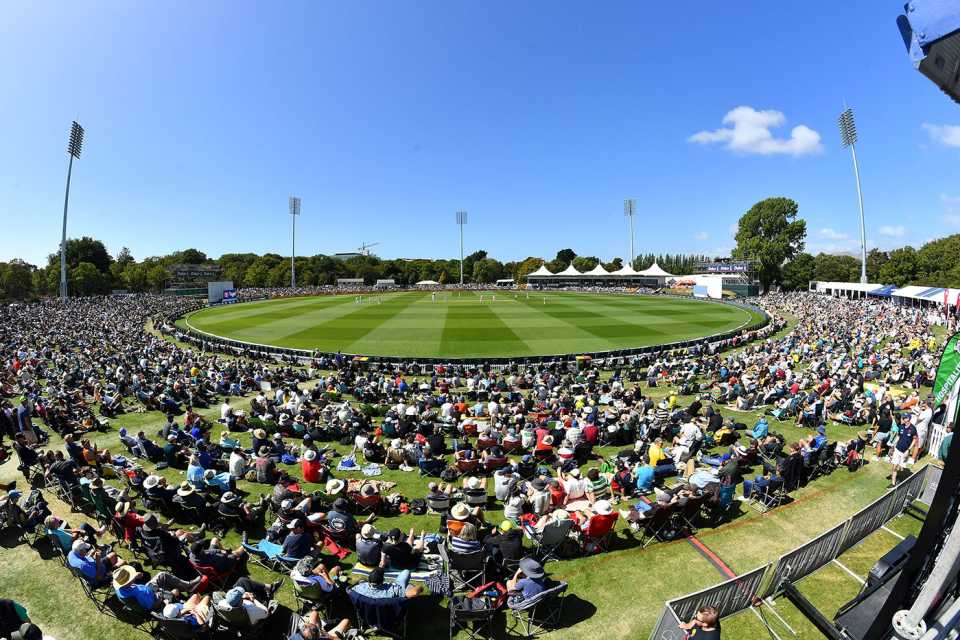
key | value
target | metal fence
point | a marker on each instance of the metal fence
(804, 560)
(866, 521)
(667, 627)
(741, 592)
(728, 597)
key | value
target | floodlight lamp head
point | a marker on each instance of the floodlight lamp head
(294, 206)
(75, 146)
(461, 217)
(848, 128)
(629, 207)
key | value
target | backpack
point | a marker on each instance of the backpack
(450, 474)
(418, 507)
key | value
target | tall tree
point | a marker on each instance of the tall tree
(797, 274)
(770, 233)
(901, 268)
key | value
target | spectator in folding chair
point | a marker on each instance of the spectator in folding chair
(233, 508)
(173, 453)
(219, 483)
(461, 514)
(465, 540)
(312, 580)
(152, 594)
(375, 588)
(403, 552)
(299, 543)
(247, 601)
(312, 627)
(212, 554)
(191, 503)
(166, 547)
(128, 520)
(367, 500)
(438, 497)
(505, 544)
(67, 535)
(157, 495)
(538, 496)
(599, 523)
(94, 565)
(475, 491)
(704, 626)
(195, 612)
(529, 580)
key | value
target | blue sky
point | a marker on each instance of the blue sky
(536, 117)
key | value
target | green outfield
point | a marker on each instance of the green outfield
(488, 324)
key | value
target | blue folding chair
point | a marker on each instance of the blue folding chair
(269, 555)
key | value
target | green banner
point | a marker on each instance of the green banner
(948, 373)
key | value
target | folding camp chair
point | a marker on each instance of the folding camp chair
(270, 556)
(465, 571)
(100, 593)
(365, 504)
(689, 514)
(236, 622)
(432, 467)
(552, 540)
(654, 527)
(467, 466)
(473, 614)
(210, 578)
(137, 616)
(60, 548)
(224, 522)
(720, 509)
(177, 628)
(597, 539)
(312, 596)
(492, 464)
(384, 616)
(438, 504)
(538, 614)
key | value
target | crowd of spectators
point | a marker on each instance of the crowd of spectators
(522, 440)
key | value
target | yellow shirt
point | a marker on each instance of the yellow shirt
(655, 452)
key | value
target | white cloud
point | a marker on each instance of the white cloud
(749, 132)
(701, 236)
(945, 134)
(893, 231)
(831, 234)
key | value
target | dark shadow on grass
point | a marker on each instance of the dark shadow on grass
(575, 610)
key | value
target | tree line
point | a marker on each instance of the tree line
(91, 270)
(770, 233)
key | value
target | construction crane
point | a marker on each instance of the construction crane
(365, 248)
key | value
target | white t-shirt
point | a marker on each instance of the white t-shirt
(575, 488)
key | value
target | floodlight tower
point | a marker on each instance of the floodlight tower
(461, 220)
(74, 147)
(848, 137)
(629, 210)
(294, 212)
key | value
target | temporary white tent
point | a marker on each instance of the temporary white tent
(627, 270)
(427, 283)
(569, 271)
(597, 271)
(655, 271)
(541, 272)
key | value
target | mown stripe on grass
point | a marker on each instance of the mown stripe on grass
(475, 330)
(354, 324)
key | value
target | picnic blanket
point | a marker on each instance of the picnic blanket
(382, 486)
(429, 566)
